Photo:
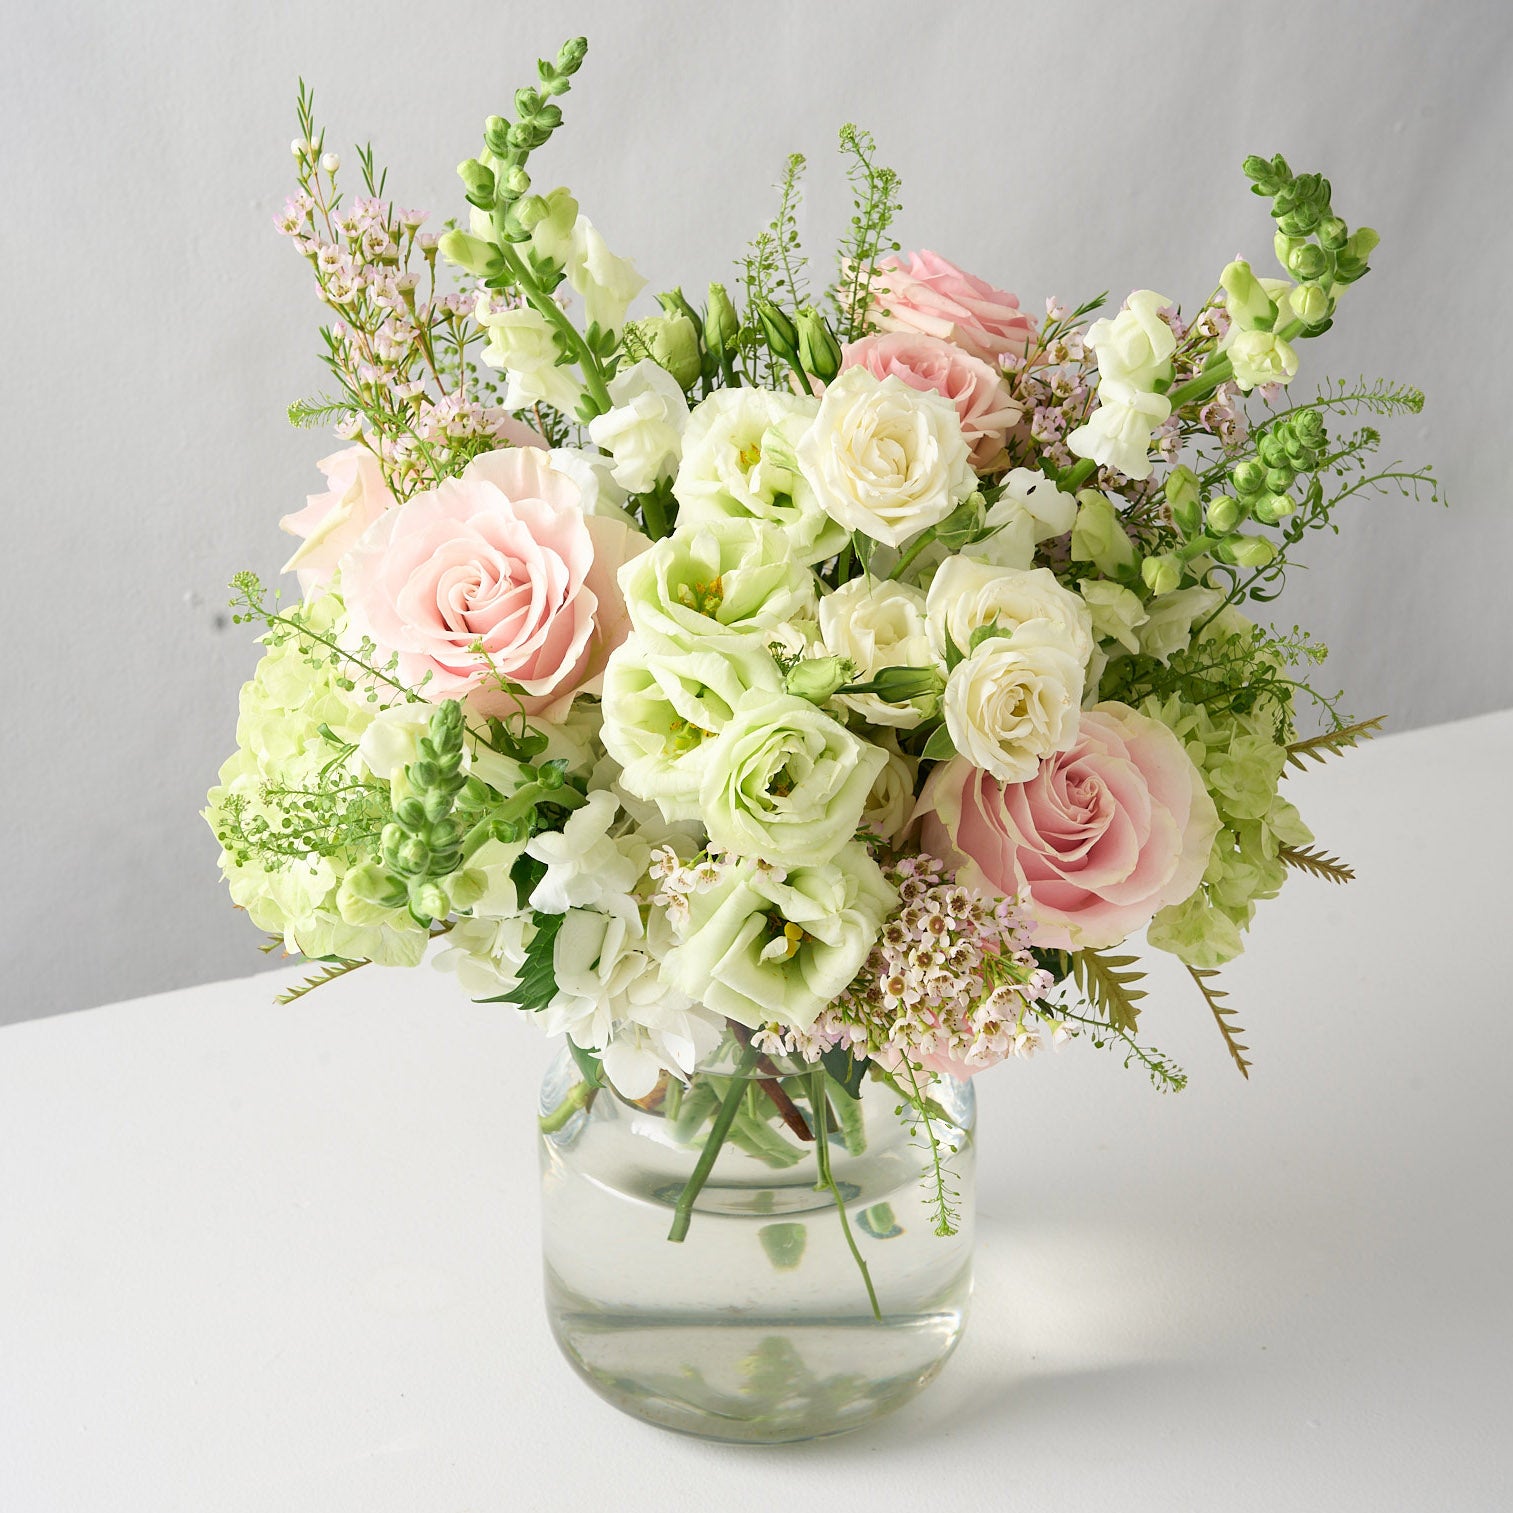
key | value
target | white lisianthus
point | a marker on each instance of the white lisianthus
(607, 283)
(1118, 433)
(965, 596)
(877, 623)
(1136, 346)
(523, 343)
(763, 947)
(884, 459)
(586, 867)
(1030, 510)
(1015, 700)
(1170, 619)
(644, 430)
(662, 709)
(727, 575)
(1259, 357)
(1117, 611)
(891, 802)
(785, 781)
(739, 463)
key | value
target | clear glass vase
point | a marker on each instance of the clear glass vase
(758, 1326)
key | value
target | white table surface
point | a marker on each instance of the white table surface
(261, 1258)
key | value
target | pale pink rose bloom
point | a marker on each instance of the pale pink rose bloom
(934, 297)
(503, 555)
(976, 389)
(331, 523)
(1104, 835)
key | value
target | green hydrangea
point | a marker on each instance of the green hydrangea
(297, 814)
(1241, 757)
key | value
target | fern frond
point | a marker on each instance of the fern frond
(1223, 1017)
(328, 973)
(1107, 982)
(1317, 863)
(1332, 742)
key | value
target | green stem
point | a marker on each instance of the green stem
(821, 1102)
(682, 1215)
(903, 562)
(546, 306)
(579, 1096)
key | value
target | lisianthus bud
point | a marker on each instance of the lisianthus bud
(816, 678)
(720, 322)
(903, 685)
(1224, 514)
(478, 257)
(1098, 535)
(1162, 574)
(673, 343)
(780, 332)
(819, 351)
(1309, 304)
(1182, 498)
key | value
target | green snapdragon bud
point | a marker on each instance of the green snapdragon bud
(782, 337)
(1308, 261)
(1251, 551)
(1183, 499)
(819, 351)
(1163, 574)
(720, 322)
(1307, 428)
(1249, 305)
(1279, 480)
(1224, 514)
(496, 132)
(1099, 536)
(480, 258)
(477, 183)
(816, 678)
(1350, 261)
(1333, 233)
(1285, 246)
(1309, 304)
(1270, 508)
(672, 341)
(1249, 477)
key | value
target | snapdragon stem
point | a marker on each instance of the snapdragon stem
(925, 539)
(682, 1215)
(821, 1102)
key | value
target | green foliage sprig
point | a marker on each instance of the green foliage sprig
(1223, 1016)
(876, 202)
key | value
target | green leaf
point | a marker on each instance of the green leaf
(537, 984)
(844, 1070)
(1317, 863)
(589, 1065)
(1108, 984)
(1332, 742)
(940, 747)
(1223, 1017)
(863, 546)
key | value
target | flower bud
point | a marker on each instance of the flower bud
(1270, 508)
(903, 685)
(781, 335)
(819, 351)
(1285, 246)
(720, 322)
(472, 253)
(1182, 499)
(816, 678)
(964, 524)
(1333, 233)
(1309, 304)
(1224, 514)
(1307, 261)
(1350, 261)
(1307, 428)
(496, 135)
(1251, 551)
(1163, 574)
(330, 162)
(672, 342)
(477, 183)
(1249, 477)
(1098, 535)
(430, 901)
(1248, 304)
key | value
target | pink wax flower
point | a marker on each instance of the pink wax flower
(976, 388)
(502, 555)
(1105, 834)
(934, 297)
(331, 523)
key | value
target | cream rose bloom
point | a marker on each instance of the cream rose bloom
(1015, 700)
(966, 595)
(876, 623)
(884, 459)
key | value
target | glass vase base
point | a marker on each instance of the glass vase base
(750, 1380)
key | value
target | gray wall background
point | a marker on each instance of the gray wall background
(156, 326)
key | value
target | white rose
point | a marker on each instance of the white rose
(1135, 347)
(876, 623)
(1118, 433)
(966, 595)
(891, 802)
(607, 283)
(644, 430)
(884, 459)
(522, 342)
(1015, 700)
(739, 462)
(1030, 510)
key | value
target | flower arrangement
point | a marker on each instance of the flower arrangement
(840, 677)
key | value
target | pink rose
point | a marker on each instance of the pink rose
(1104, 835)
(936, 298)
(924, 362)
(332, 522)
(502, 555)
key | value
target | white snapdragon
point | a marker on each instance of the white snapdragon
(1030, 510)
(1117, 612)
(1135, 347)
(1118, 432)
(587, 867)
(877, 623)
(607, 283)
(884, 459)
(643, 432)
(523, 342)
(739, 463)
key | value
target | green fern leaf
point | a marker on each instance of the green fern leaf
(328, 973)
(1223, 1017)
(1332, 742)
(1108, 984)
(1316, 863)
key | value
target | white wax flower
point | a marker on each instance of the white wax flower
(877, 623)
(884, 459)
(644, 430)
(1118, 433)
